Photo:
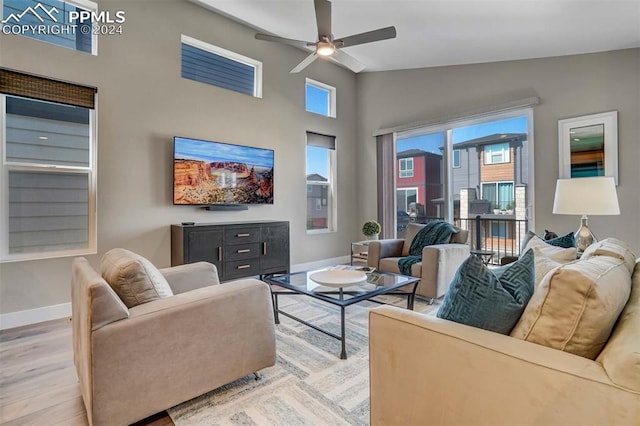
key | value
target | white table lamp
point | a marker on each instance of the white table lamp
(586, 196)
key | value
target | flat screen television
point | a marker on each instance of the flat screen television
(215, 173)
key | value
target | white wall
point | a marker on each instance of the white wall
(143, 102)
(567, 87)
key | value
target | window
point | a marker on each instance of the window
(48, 174)
(496, 153)
(320, 98)
(405, 167)
(219, 67)
(499, 193)
(51, 21)
(405, 197)
(321, 206)
(456, 158)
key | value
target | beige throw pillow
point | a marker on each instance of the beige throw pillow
(611, 247)
(559, 254)
(576, 306)
(134, 279)
(543, 266)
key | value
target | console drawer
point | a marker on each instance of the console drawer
(241, 268)
(242, 251)
(241, 235)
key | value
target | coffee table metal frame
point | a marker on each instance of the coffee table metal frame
(337, 297)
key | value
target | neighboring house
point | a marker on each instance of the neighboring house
(317, 205)
(493, 165)
(418, 182)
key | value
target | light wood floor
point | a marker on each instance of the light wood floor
(38, 382)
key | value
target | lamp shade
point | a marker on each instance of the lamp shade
(589, 195)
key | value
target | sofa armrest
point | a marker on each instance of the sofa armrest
(379, 249)
(174, 349)
(425, 369)
(439, 265)
(191, 276)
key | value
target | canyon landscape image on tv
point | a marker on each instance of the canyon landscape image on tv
(206, 173)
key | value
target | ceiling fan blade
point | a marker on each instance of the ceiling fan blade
(296, 43)
(347, 60)
(368, 37)
(323, 17)
(302, 65)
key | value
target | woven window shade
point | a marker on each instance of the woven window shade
(30, 86)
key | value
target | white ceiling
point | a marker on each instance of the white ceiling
(449, 32)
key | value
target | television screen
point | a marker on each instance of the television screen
(206, 173)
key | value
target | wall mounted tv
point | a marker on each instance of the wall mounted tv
(215, 173)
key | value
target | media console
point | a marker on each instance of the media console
(238, 249)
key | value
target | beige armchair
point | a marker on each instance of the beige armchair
(439, 262)
(135, 362)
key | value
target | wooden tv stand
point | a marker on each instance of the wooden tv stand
(238, 249)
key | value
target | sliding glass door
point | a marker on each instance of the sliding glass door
(475, 173)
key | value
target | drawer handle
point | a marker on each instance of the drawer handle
(243, 251)
(264, 249)
(219, 253)
(243, 266)
(243, 235)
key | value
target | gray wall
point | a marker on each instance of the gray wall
(143, 103)
(567, 87)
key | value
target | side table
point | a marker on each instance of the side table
(484, 255)
(359, 251)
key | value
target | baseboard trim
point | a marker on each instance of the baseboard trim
(48, 313)
(33, 316)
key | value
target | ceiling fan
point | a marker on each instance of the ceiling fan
(327, 46)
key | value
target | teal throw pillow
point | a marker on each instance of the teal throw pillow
(492, 299)
(566, 241)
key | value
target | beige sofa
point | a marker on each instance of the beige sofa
(426, 370)
(439, 262)
(135, 362)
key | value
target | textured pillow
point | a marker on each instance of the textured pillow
(576, 306)
(559, 254)
(566, 241)
(410, 234)
(611, 247)
(134, 279)
(492, 299)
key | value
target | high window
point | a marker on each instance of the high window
(405, 167)
(48, 172)
(456, 158)
(52, 21)
(496, 153)
(219, 67)
(321, 205)
(320, 98)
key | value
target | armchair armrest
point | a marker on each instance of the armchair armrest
(439, 265)
(423, 369)
(383, 248)
(184, 346)
(191, 276)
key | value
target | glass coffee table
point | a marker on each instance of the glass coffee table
(377, 283)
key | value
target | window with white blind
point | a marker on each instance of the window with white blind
(51, 21)
(496, 153)
(47, 180)
(209, 64)
(321, 172)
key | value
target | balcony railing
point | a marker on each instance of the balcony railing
(503, 236)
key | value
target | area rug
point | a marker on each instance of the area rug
(310, 384)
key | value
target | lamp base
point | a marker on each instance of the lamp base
(584, 237)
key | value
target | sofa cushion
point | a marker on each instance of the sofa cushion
(559, 254)
(134, 279)
(621, 356)
(611, 247)
(576, 306)
(492, 299)
(390, 264)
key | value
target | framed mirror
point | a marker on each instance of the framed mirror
(589, 146)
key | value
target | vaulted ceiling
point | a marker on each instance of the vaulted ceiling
(449, 32)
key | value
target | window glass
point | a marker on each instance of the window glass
(320, 160)
(320, 98)
(50, 21)
(496, 153)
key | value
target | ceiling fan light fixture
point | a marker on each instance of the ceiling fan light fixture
(325, 48)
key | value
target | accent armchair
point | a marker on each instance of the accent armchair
(439, 262)
(135, 362)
